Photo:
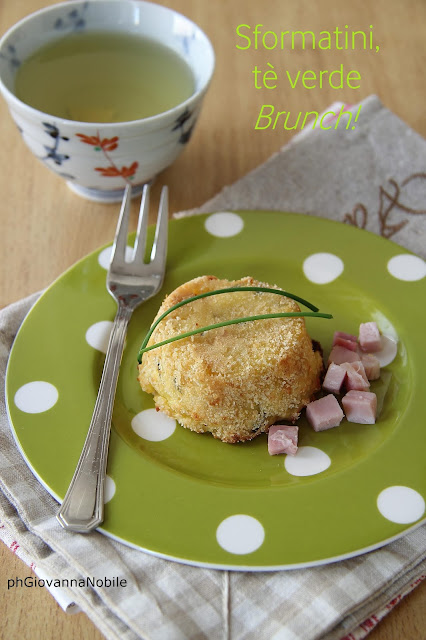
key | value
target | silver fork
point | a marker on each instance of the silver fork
(130, 283)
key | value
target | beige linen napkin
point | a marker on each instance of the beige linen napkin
(372, 177)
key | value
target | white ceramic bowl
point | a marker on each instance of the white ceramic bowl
(82, 152)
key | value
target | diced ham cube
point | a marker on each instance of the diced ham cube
(282, 439)
(348, 344)
(324, 413)
(340, 354)
(356, 377)
(371, 366)
(334, 378)
(345, 340)
(369, 337)
(360, 406)
(344, 336)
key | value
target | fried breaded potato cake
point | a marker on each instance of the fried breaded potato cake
(234, 381)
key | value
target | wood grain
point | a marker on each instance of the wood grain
(45, 228)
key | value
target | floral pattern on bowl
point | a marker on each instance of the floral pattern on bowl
(106, 145)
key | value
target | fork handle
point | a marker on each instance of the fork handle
(83, 506)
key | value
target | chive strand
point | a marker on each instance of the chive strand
(187, 334)
(206, 294)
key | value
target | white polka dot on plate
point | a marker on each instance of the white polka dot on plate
(407, 267)
(36, 397)
(322, 268)
(97, 335)
(109, 490)
(240, 534)
(400, 504)
(104, 257)
(153, 425)
(308, 461)
(224, 224)
(388, 352)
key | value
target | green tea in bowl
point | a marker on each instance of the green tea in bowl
(104, 76)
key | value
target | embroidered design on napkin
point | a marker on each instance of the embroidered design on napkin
(389, 203)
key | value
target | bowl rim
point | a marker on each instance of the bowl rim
(149, 122)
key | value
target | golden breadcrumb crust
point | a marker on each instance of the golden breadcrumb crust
(233, 381)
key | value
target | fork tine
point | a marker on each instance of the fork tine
(120, 240)
(159, 247)
(139, 248)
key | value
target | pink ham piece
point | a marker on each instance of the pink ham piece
(339, 355)
(356, 377)
(371, 366)
(334, 378)
(369, 337)
(344, 336)
(348, 344)
(282, 439)
(324, 413)
(345, 340)
(360, 407)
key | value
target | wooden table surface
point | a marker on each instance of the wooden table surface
(45, 228)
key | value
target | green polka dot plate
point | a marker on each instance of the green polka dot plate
(194, 499)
